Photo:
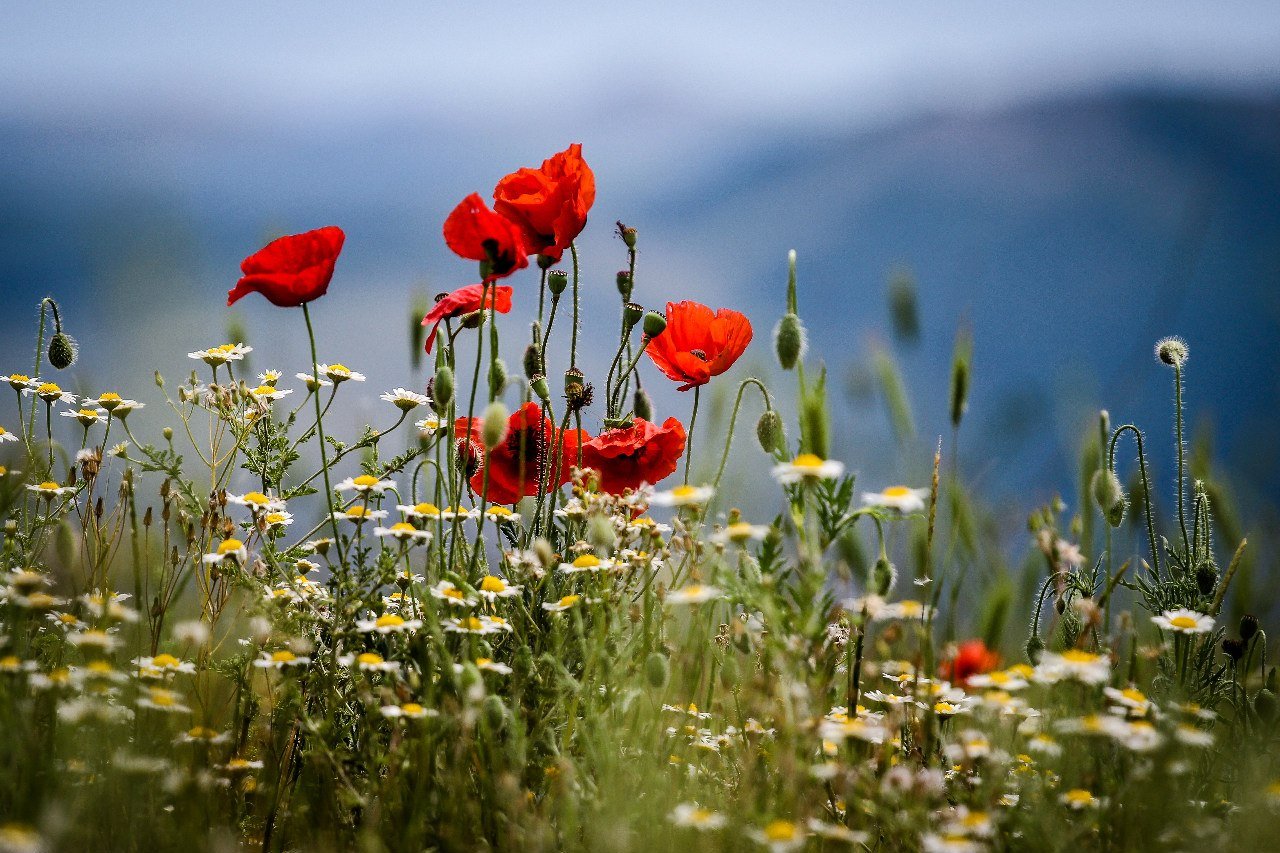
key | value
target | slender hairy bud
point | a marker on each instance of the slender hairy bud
(770, 431)
(442, 388)
(63, 351)
(1110, 496)
(642, 405)
(497, 377)
(532, 362)
(883, 575)
(1172, 351)
(790, 341)
(494, 425)
(657, 670)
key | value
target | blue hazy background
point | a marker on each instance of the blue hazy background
(1067, 181)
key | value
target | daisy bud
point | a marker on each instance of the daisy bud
(494, 425)
(657, 670)
(642, 405)
(1206, 578)
(497, 377)
(532, 362)
(557, 281)
(1109, 494)
(1248, 627)
(442, 388)
(883, 575)
(770, 431)
(789, 340)
(1172, 351)
(628, 235)
(539, 385)
(631, 314)
(62, 351)
(167, 432)
(654, 324)
(1265, 705)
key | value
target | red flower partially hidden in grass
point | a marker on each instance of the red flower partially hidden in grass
(698, 343)
(475, 232)
(641, 453)
(971, 658)
(464, 300)
(291, 270)
(550, 203)
(516, 465)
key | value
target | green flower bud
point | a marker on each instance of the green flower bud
(601, 533)
(883, 576)
(495, 712)
(1206, 579)
(1248, 627)
(770, 431)
(62, 351)
(790, 341)
(557, 281)
(628, 235)
(497, 377)
(442, 388)
(654, 324)
(167, 432)
(532, 361)
(1109, 494)
(642, 405)
(1172, 351)
(159, 379)
(657, 670)
(1034, 647)
(494, 425)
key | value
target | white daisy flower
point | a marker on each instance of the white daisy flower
(203, 734)
(932, 842)
(429, 425)
(450, 593)
(562, 605)
(163, 664)
(450, 513)
(278, 519)
(269, 377)
(50, 490)
(682, 496)
(219, 355)
(50, 393)
(1184, 621)
(160, 699)
(5, 435)
(420, 511)
(694, 816)
(901, 498)
(493, 587)
(477, 625)
(388, 623)
(1131, 699)
(409, 710)
(694, 594)
(105, 641)
(502, 515)
(86, 417)
(338, 373)
(280, 660)
(368, 662)
(1078, 799)
(365, 484)
(268, 392)
(646, 526)
(587, 563)
(780, 836)
(1193, 735)
(406, 400)
(359, 513)
(1073, 663)
(491, 665)
(257, 502)
(403, 531)
(807, 466)
(240, 765)
(114, 403)
(739, 533)
(228, 549)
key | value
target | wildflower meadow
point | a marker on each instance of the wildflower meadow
(520, 610)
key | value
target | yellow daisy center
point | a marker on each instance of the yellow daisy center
(1183, 622)
(1077, 656)
(88, 414)
(1078, 796)
(341, 369)
(569, 600)
(493, 584)
(402, 527)
(471, 623)
(358, 511)
(283, 656)
(275, 518)
(256, 498)
(426, 509)
(109, 397)
(780, 830)
(49, 388)
(365, 480)
(225, 348)
(684, 491)
(165, 660)
(452, 592)
(411, 708)
(389, 620)
(807, 460)
(369, 658)
(586, 561)
(162, 698)
(262, 390)
(48, 486)
(1133, 695)
(896, 492)
(229, 545)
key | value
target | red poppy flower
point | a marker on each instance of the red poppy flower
(698, 344)
(475, 232)
(641, 453)
(971, 658)
(464, 300)
(291, 270)
(517, 464)
(550, 203)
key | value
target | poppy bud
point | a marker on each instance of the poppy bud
(62, 351)
(642, 405)
(1034, 647)
(657, 670)
(472, 319)
(469, 455)
(495, 712)
(494, 425)
(546, 261)
(557, 281)
(770, 431)
(789, 340)
(544, 552)
(631, 314)
(883, 576)
(1248, 627)
(1060, 605)
(600, 532)
(497, 377)
(442, 388)
(1206, 578)
(1172, 351)
(625, 284)
(628, 235)
(654, 324)
(1265, 704)
(532, 362)
(1233, 649)
(1109, 494)
(539, 385)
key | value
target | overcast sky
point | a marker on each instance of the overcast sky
(699, 66)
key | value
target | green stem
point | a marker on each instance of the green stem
(1182, 460)
(693, 420)
(573, 344)
(324, 454)
(1146, 486)
(733, 421)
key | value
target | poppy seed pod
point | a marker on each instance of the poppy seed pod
(494, 425)
(790, 341)
(62, 351)
(628, 235)
(654, 324)
(631, 314)
(557, 281)
(1110, 496)
(625, 284)
(539, 386)
(642, 405)
(770, 431)
(442, 388)
(657, 670)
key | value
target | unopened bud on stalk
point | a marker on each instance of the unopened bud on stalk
(532, 362)
(770, 431)
(1034, 647)
(442, 388)
(1109, 494)
(657, 670)
(600, 532)
(790, 341)
(642, 405)
(654, 324)
(628, 235)
(1206, 579)
(1233, 649)
(1172, 351)
(625, 284)
(167, 432)
(494, 425)
(495, 712)
(545, 262)
(62, 351)
(497, 377)
(470, 455)
(1248, 627)
(883, 575)
(159, 380)
(538, 384)
(960, 359)
(472, 319)
(631, 314)
(557, 281)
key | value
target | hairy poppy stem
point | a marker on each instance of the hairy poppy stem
(733, 421)
(693, 420)
(573, 343)
(324, 454)
(1146, 486)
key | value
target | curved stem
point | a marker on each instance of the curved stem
(324, 454)
(1146, 486)
(733, 420)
